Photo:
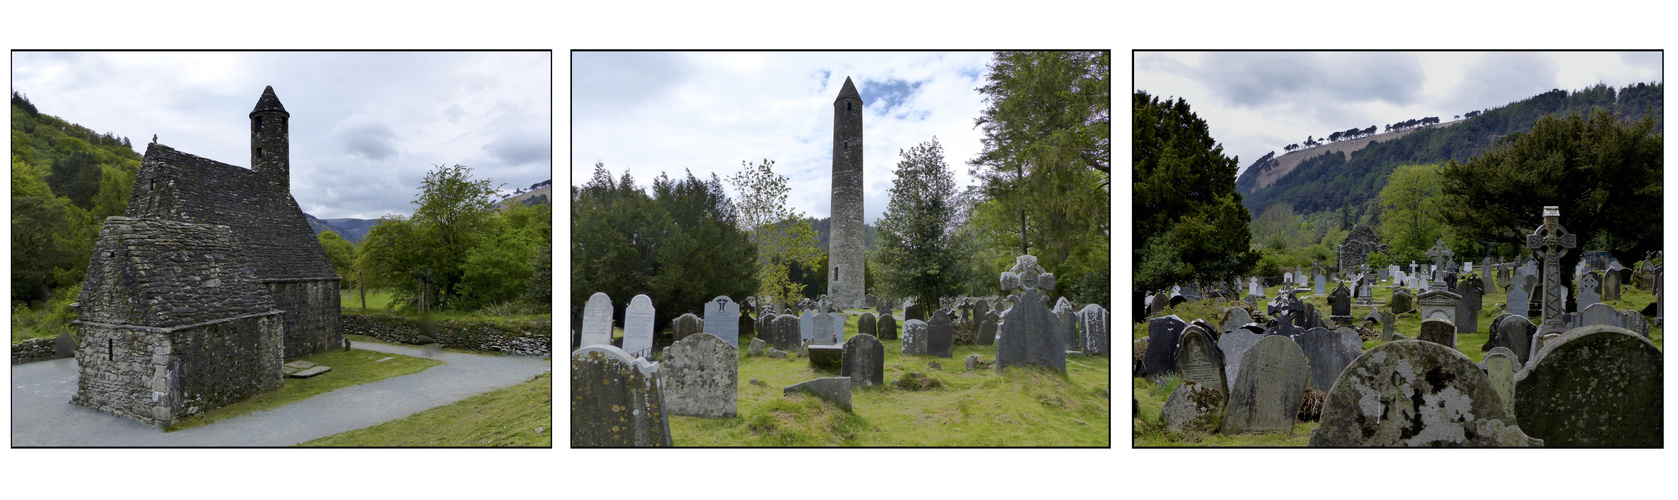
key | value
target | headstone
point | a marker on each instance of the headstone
(1233, 345)
(839, 321)
(1553, 240)
(1411, 393)
(940, 335)
(1633, 320)
(1322, 284)
(616, 400)
(1026, 334)
(826, 356)
(1590, 289)
(914, 338)
(1520, 295)
(807, 326)
(757, 346)
(1514, 333)
(821, 329)
(1163, 336)
(865, 325)
(1268, 388)
(1596, 386)
(1401, 301)
(1439, 253)
(1327, 353)
(685, 325)
(786, 337)
(1066, 321)
(1500, 366)
(915, 311)
(1234, 317)
(700, 377)
(1340, 305)
(1095, 324)
(1467, 318)
(1254, 288)
(1287, 278)
(1193, 409)
(1388, 323)
(1439, 331)
(987, 328)
(864, 361)
(1199, 361)
(638, 327)
(722, 318)
(979, 310)
(597, 320)
(1438, 304)
(887, 326)
(1611, 286)
(836, 390)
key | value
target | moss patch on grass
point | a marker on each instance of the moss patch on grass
(517, 416)
(353, 367)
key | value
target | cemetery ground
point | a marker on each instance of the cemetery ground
(521, 415)
(1147, 431)
(917, 406)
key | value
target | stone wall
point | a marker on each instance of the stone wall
(518, 337)
(159, 375)
(32, 350)
(311, 315)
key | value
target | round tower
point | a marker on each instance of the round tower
(845, 250)
(270, 143)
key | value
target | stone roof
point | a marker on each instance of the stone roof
(268, 226)
(269, 102)
(159, 273)
(849, 90)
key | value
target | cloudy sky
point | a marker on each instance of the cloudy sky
(652, 112)
(1258, 102)
(365, 126)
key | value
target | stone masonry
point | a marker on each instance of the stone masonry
(845, 244)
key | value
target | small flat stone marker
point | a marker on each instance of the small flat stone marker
(834, 389)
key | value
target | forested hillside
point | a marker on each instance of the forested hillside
(1337, 181)
(66, 179)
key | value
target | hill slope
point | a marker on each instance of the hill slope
(1351, 175)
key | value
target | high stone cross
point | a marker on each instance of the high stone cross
(1554, 241)
(1439, 253)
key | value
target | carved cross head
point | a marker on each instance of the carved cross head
(1027, 275)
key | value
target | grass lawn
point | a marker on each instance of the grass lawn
(1147, 431)
(1023, 407)
(353, 367)
(521, 415)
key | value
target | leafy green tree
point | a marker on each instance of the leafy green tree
(1410, 211)
(1602, 172)
(705, 253)
(614, 224)
(76, 177)
(781, 234)
(920, 252)
(1189, 221)
(456, 213)
(1045, 161)
(342, 254)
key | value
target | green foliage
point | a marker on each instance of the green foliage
(682, 245)
(1378, 260)
(1188, 217)
(341, 252)
(1602, 172)
(782, 236)
(1410, 211)
(921, 254)
(1045, 167)
(521, 415)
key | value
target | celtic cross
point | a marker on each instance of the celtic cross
(1439, 253)
(1554, 241)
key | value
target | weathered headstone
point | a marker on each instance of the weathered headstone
(1590, 289)
(1500, 366)
(1026, 333)
(1095, 324)
(807, 326)
(685, 325)
(1438, 304)
(1596, 386)
(1467, 318)
(1340, 305)
(1193, 408)
(722, 318)
(821, 329)
(1611, 286)
(1163, 336)
(757, 346)
(700, 377)
(864, 361)
(987, 328)
(1328, 352)
(914, 338)
(785, 336)
(1233, 345)
(839, 320)
(638, 327)
(916, 311)
(1268, 388)
(940, 335)
(887, 327)
(865, 325)
(1388, 323)
(1321, 284)
(1234, 317)
(597, 320)
(1199, 361)
(1066, 322)
(1411, 393)
(836, 390)
(1439, 253)
(616, 400)
(1599, 314)
(1553, 240)
(1439, 331)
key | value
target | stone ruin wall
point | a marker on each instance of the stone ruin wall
(522, 338)
(160, 375)
(311, 315)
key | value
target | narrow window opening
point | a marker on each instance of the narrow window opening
(258, 152)
(836, 274)
(110, 349)
(256, 125)
(847, 106)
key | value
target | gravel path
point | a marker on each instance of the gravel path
(43, 416)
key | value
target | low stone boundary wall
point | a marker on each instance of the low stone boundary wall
(32, 350)
(519, 337)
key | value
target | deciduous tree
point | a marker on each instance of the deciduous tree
(1189, 221)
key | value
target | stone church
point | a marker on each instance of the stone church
(194, 299)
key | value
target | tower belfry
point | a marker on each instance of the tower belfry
(845, 241)
(270, 142)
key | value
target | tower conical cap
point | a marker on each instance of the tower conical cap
(269, 102)
(849, 90)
